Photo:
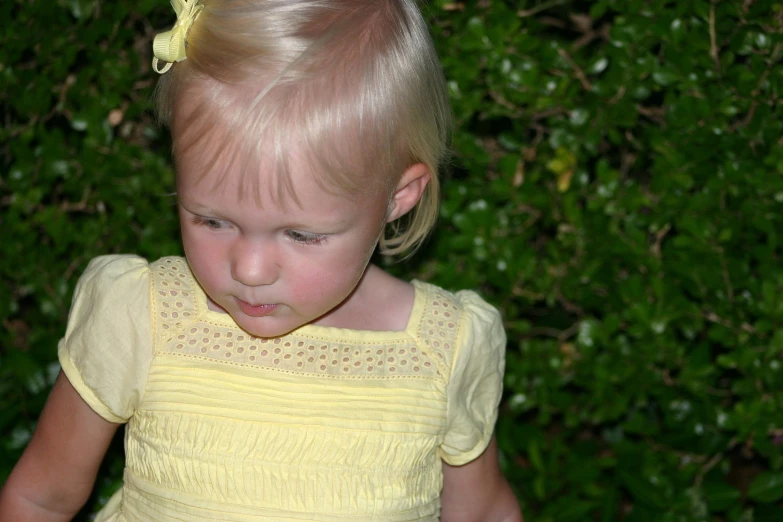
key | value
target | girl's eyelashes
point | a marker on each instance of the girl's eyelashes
(302, 238)
(306, 239)
(214, 224)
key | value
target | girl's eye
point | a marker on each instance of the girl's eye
(306, 239)
(214, 224)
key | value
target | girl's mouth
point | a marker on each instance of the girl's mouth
(255, 310)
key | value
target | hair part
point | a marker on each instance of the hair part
(350, 89)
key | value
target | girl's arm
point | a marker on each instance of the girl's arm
(56, 473)
(478, 491)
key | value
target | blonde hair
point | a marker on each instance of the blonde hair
(355, 83)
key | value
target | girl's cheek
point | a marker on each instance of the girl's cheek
(312, 279)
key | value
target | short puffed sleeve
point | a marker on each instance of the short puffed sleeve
(107, 348)
(476, 381)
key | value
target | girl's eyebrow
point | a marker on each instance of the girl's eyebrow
(197, 208)
(323, 226)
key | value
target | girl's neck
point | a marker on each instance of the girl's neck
(380, 302)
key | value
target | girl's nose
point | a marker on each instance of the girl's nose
(254, 262)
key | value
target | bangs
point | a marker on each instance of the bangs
(307, 129)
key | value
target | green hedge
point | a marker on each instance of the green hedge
(617, 191)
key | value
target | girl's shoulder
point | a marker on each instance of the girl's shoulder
(122, 283)
(115, 273)
(114, 264)
(112, 277)
(106, 349)
(460, 310)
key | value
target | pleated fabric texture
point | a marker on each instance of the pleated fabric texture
(323, 424)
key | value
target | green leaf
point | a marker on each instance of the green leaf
(766, 487)
(643, 490)
(720, 495)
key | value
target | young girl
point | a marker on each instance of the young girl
(272, 374)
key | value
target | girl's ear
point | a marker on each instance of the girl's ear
(409, 190)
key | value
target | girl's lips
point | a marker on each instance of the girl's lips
(255, 310)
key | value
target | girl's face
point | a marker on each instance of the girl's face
(274, 265)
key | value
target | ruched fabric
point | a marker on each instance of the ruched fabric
(323, 424)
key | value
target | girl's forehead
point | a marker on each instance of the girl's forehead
(222, 167)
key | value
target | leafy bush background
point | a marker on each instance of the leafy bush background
(616, 191)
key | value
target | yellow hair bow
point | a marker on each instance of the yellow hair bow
(170, 46)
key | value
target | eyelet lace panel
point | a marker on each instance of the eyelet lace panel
(183, 331)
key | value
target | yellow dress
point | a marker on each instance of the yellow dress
(323, 424)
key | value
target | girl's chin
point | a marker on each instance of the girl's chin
(257, 322)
